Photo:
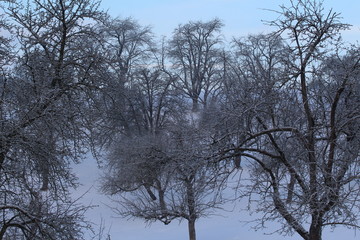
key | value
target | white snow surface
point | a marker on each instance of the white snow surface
(222, 226)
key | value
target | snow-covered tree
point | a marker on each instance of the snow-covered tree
(297, 122)
(42, 116)
(166, 176)
(195, 51)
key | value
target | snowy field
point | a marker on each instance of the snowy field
(224, 226)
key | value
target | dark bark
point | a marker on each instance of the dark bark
(315, 229)
(191, 227)
(195, 104)
(191, 208)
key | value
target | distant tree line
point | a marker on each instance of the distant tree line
(171, 120)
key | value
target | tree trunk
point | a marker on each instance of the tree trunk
(315, 235)
(191, 226)
(315, 232)
(195, 104)
(191, 208)
(2, 159)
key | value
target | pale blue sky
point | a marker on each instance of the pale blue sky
(241, 17)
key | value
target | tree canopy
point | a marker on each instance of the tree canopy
(172, 120)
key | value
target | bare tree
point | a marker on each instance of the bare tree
(42, 124)
(297, 127)
(155, 169)
(196, 57)
(126, 45)
(127, 51)
(166, 177)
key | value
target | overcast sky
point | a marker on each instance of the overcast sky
(241, 17)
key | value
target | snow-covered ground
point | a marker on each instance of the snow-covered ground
(225, 226)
